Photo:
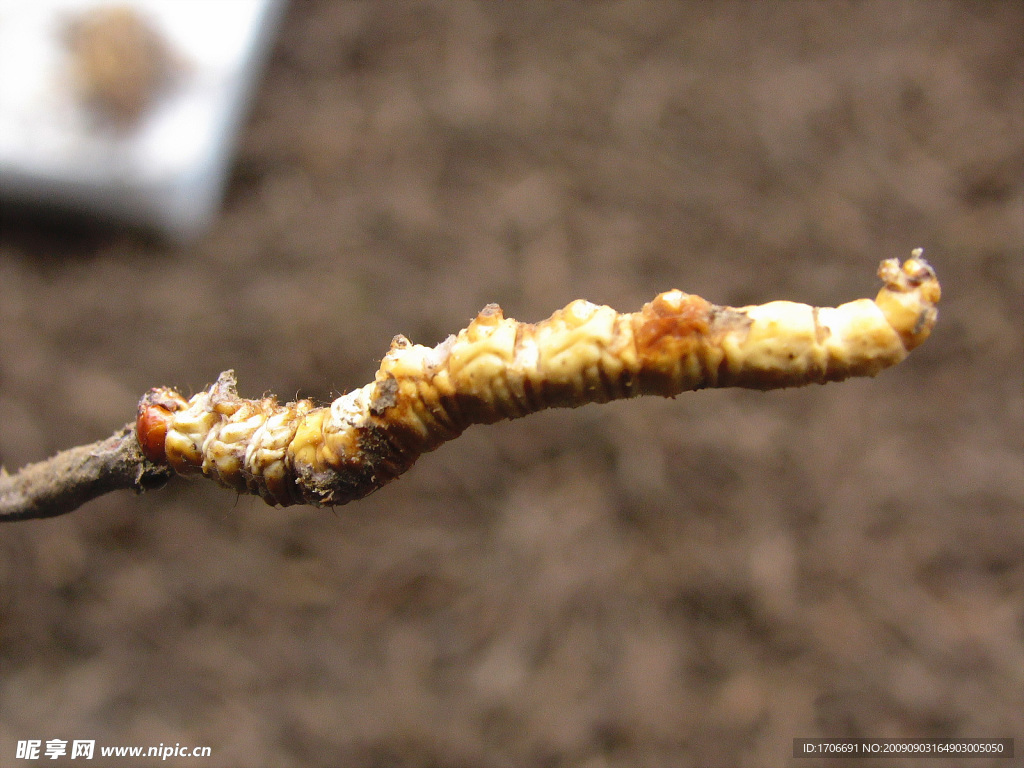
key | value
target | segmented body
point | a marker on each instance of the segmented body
(498, 368)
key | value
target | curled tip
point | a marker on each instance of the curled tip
(909, 297)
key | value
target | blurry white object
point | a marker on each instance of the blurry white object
(127, 109)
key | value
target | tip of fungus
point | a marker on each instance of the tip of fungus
(909, 297)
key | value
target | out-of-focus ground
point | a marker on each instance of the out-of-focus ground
(660, 582)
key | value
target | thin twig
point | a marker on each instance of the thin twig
(62, 483)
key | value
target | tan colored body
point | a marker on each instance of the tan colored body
(498, 368)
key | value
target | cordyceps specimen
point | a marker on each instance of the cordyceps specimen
(498, 368)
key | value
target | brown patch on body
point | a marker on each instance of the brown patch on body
(671, 316)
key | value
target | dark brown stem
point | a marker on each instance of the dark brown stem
(62, 483)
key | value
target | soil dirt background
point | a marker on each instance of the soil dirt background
(660, 582)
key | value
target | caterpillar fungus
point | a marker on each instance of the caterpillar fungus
(498, 368)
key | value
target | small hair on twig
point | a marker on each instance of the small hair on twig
(498, 368)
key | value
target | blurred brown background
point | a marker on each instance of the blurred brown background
(684, 582)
